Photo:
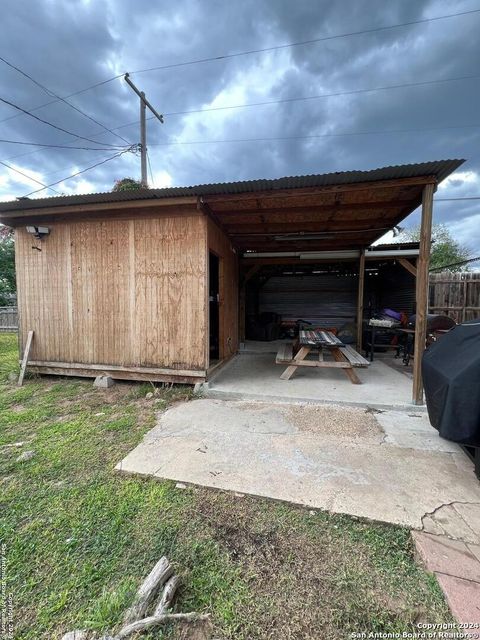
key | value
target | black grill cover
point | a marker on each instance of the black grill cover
(451, 377)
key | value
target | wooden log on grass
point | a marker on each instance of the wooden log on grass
(136, 620)
(154, 621)
(168, 595)
(161, 572)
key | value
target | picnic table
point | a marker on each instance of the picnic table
(320, 341)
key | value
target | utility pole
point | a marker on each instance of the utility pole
(144, 103)
(143, 138)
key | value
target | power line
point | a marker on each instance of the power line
(253, 51)
(306, 42)
(456, 199)
(70, 95)
(455, 264)
(335, 94)
(64, 100)
(27, 176)
(327, 95)
(314, 97)
(314, 136)
(264, 139)
(93, 166)
(72, 169)
(56, 146)
(298, 99)
(50, 124)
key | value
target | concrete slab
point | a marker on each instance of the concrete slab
(453, 523)
(470, 513)
(260, 346)
(256, 376)
(324, 456)
(475, 549)
(413, 430)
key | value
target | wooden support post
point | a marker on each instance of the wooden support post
(421, 292)
(361, 286)
(26, 353)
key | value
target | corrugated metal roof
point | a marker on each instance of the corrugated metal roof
(439, 168)
(394, 246)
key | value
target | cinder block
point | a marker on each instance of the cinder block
(103, 382)
(200, 387)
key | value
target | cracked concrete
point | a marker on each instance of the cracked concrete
(388, 466)
(457, 520)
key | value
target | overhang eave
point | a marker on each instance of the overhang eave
(349, 216)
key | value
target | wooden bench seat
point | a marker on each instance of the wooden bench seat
(343, 357)
(355, 359)
(285, 353)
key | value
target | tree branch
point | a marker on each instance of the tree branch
(168, 594)
(148, 589)
(155, 621)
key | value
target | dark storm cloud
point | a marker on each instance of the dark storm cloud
(70, 45)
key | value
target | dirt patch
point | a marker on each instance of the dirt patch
(327, 420)
(308, 577)
(244, 543)
(198, 631)
(17, 408)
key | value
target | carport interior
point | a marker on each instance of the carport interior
(309, 235)
(278, 298)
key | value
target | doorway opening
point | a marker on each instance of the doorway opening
(213, 306)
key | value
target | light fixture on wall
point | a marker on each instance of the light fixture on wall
(38, 232)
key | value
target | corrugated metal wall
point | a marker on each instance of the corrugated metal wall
(331, 299)
(393, 288)
(328, 299)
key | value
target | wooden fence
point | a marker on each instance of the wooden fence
(455, 294)
(8, 319)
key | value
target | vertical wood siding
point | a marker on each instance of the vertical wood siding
(219, 243)
(119, 292)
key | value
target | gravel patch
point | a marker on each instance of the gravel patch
(333, 421)
(327, 420)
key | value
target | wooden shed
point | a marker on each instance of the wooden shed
(150, 284)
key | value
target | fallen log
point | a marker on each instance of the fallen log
(167, 597)
(154, 621)
(135, 619)
(148, 590)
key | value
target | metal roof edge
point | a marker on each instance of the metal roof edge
(439, 168)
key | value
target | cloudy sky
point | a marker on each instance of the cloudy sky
(68, 46)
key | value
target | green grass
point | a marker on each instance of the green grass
(80, 538)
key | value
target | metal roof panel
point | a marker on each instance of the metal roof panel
(439, 168)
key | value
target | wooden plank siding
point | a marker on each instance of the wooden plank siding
(128, 293)
(220, 244)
